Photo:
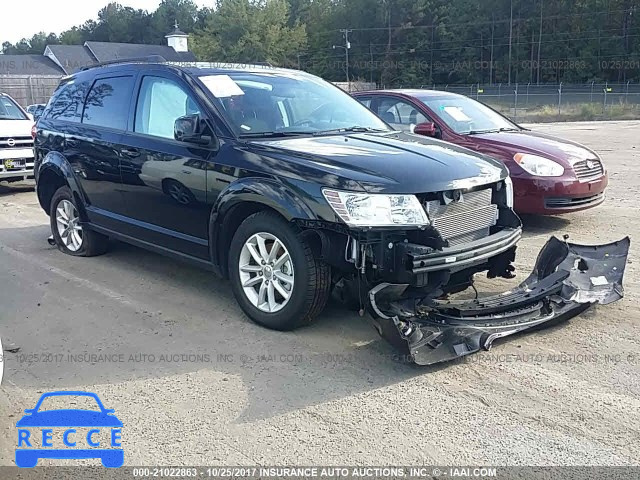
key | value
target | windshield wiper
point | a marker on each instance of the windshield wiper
(497, 130)
(354, 129)
(480, 132)
(273, 134)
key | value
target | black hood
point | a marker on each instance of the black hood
(387, 163)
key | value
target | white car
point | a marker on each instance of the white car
(16, 142)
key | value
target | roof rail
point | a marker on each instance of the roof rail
(148, 59)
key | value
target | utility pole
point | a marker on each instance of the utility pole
(540, 40)
(491, 57)
(510, 40)
(371, 64)
(347, 47)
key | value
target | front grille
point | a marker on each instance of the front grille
(15, 143)
(565, 202)
(588, 170)
(469, 219)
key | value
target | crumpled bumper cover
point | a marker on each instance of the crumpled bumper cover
(566, 280)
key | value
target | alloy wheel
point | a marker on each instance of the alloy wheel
(266, 272)
(68, 223)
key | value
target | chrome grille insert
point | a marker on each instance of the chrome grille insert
(587, 170)
(16, 143)
(466, 220)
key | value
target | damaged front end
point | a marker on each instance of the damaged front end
(565, 281)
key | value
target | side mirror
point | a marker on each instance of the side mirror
(428, 129)
(190, 129)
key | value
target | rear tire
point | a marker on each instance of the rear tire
(69, 236)
(310, 278)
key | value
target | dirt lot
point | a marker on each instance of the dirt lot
(232, 393)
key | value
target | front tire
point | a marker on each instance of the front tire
(70, 237)
(274, 275)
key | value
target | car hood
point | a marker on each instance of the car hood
(15, 128)
(69, 418)
(563, 151)
(387, 163)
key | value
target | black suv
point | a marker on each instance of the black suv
(276, 180)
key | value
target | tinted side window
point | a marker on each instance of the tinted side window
(366, 101)
(399, 113)
(160, 103)
(107, 104)
(67, 102)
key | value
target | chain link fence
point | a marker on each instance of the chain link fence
(540, 103)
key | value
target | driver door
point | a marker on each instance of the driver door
(399, 113)
(164, 181)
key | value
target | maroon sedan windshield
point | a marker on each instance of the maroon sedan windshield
(464, 115)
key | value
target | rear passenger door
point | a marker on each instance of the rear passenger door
(92, 143)
(164, 180)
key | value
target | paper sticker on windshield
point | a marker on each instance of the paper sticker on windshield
(222, 86)
(457, 114)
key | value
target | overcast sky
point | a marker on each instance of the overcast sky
(23, 18)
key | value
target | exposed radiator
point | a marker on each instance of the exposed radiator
(464, 221)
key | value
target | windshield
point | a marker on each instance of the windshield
(9, 110)
(280, 103)
(464, 115)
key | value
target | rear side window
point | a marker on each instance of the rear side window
(107, 103)
(67, 102)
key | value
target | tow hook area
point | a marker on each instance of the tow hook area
(566, 280)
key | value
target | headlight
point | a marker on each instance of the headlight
(509, 191)
(539, 166)
(365, 210)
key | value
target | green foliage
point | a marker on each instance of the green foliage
(246, 31)
(393, 42)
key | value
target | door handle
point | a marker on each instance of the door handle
(131, 152)
(186, 172)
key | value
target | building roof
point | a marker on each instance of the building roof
(28, 65)
(107, 52)
(176, 33)
(70, 58)
(59, 60)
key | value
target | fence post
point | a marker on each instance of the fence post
(527, 106)
(626, 96)
(559, 99)
(515, 101)
(592, 82)
(604, 104)
(30, 90)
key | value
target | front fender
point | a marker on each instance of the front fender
(268, 192)
(251, 191)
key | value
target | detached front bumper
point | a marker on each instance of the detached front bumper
(565, 281)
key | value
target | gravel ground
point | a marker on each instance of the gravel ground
(331, 393)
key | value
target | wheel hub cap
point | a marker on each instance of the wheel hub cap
(266, 272)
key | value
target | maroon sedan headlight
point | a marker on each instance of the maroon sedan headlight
(538, 166)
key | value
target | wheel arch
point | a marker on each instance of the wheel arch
(55, 172)
(241, 200)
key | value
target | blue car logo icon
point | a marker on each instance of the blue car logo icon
(40, 424)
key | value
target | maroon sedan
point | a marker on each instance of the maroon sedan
(550, 175)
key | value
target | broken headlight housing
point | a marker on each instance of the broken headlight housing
(375, 210)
